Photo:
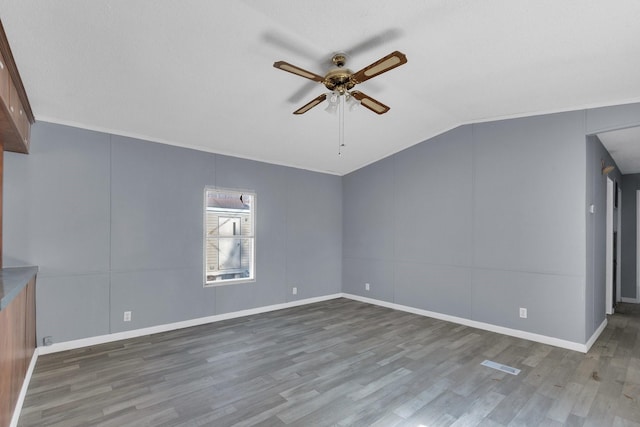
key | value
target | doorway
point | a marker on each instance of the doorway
(618, 246)
(609, 269)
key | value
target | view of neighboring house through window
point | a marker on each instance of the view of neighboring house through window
(229, 236)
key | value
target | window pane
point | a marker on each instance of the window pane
(229, 234)
(229, 258)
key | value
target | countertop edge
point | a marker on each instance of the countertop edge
(12, 281)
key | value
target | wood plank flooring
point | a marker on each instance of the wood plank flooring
(339, 363)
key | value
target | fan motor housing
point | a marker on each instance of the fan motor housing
(339, 79)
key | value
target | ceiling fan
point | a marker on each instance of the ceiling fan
(341, 80)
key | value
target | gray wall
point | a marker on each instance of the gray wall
(115, 224)
(476, 223)
(595, 286)
(630, 184)
(487, 218)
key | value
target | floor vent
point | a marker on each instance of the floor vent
(500, 367)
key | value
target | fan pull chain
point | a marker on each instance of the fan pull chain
(341, 124)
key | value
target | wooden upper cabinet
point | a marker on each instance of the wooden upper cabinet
(4, 78)
(16, 116)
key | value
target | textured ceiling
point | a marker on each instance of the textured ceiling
(199, 73)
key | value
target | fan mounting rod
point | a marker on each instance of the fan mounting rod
(339, 59)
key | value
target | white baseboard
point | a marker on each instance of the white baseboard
(557, 342)
(117, 336)
(596, 334)
(23, 390)
(630, 300)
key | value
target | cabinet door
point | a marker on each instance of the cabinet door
(4, 81)
(18, 114)
(30, 320)
(14, 122)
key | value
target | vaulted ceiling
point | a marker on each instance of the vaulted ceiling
(200, 74)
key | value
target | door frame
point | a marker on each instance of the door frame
(637, 298)
(609, 249)
(619, 248)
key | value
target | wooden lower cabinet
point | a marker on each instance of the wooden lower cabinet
(17, 344)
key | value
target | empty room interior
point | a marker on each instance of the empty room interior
(285, 213)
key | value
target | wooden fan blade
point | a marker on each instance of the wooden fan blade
(389, 62)
(285, 66)
(367, 101)
(311, 104)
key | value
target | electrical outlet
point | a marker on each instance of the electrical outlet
(294, 291)
(367, 287)
(127, 316)
(523, 312)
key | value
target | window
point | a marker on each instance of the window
(229, 239)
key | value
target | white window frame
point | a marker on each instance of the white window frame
(252, 237)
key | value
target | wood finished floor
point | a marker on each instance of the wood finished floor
(343, 363)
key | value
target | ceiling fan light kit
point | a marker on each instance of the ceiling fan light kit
(333, 99)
